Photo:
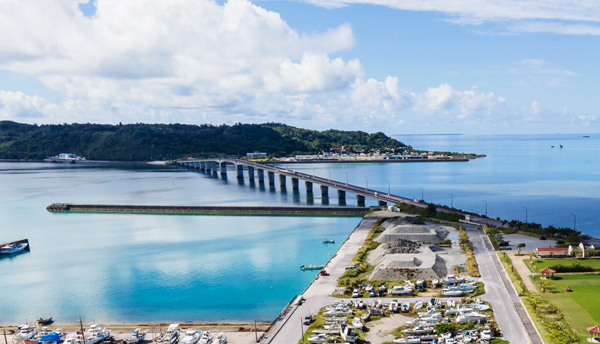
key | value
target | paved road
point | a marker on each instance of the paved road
(317, 295)
(508, 309)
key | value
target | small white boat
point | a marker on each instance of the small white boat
(368, 288)
(318, 338)
(26, 332)
(452, 292)
(408, 340)
(220, 339)
(393, 306)
(365, 317)
(418, 330)
(171, 336)
(96, 334)
(405, 307)
(12, 248)
(450, 341)
(450, 303)
(135, 337)
(472, 316)
(357, 324)
(419, 305)
(400, 290)
(191, 337)
(206, 338)
(327, 241)
(486, 334)
(347, 333)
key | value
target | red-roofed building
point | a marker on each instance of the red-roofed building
(544, 252)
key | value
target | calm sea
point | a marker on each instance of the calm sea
(134, 268)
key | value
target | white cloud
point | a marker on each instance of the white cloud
(445, 99)
(552, 16)
(19, 106)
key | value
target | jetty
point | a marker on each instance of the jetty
(209, 210)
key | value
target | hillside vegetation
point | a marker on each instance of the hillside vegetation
(135, 142)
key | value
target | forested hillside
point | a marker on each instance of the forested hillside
(135, 142)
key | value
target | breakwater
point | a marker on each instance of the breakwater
(209, 210)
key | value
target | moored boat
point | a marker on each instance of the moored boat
(171, 336)
(312, 267)
(327, 241)
(26, 332)
(12, 248)
(135, 337)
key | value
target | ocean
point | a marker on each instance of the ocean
(183, 268)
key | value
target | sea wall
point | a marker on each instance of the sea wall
(240, 210)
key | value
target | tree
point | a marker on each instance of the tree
(445, 327)
(520, 246)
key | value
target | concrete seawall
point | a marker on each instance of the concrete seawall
(209, 210)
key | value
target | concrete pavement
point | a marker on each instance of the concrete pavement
(289, 329)
(510, 314)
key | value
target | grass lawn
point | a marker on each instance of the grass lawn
(581, 307)
(536, 264)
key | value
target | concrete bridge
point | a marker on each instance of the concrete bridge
(257, 170)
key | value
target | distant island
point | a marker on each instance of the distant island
(144, 142)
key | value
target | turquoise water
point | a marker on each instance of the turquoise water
(130, 268)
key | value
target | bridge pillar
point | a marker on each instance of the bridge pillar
(295, 184)
(341, 195)
(282, 181)
(250, 173)
(203, 166)
(240, 171)
(271, 176)
(309, 186)
(360, 200)
(324, 191)
(195, 165)
(382, 204)
(223, 168)
(208, 166)
(261, 175)
(215, 166)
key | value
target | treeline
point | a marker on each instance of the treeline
(139, 142)
(568, 234)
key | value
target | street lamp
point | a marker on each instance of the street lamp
(422, 198)
(389, 187)
(346, 177)
(574, 221)
(485, 207)
(451, 201)
(366, 183)
(525, 214)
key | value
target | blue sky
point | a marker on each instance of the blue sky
(410, 66)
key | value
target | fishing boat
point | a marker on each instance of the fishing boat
(312, 267)
(327, 241)
(12, 248)
(96, 334)
(26, 332)
(171, 336)
(318, 338)
(191, 337)
(357, 324)
(408, 340)
(400, 290)
(45, 320)
(205, 338)
(135, 337)
(452, 292)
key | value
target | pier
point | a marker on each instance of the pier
(209, 210)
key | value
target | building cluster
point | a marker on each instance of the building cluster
(345, 153)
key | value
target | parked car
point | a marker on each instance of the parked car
(355, 293)
(307, 319)
(559, 242)
(542, 238)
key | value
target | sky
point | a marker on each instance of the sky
(396, 66)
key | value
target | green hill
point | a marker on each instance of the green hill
(135, 142)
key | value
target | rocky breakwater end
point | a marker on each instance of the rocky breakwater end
(241, 210)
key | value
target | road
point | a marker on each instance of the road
(289, 329)
(508, 309)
